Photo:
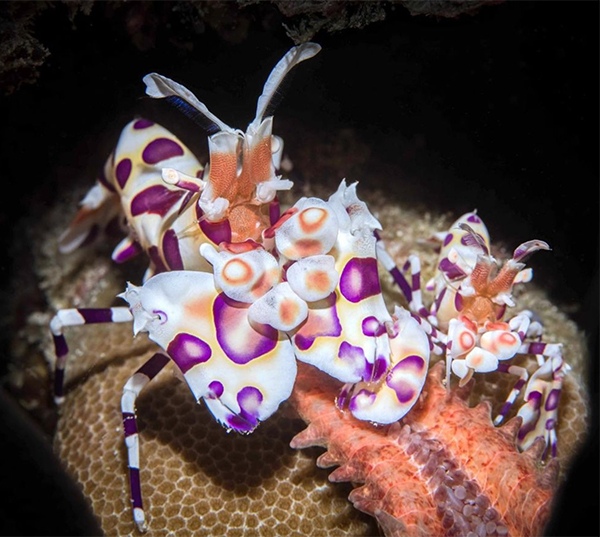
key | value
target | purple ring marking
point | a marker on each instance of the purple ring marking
(537, 348)
(154, 366)
(96, 315)
(129, 423)
(136, 492)
(60, 345)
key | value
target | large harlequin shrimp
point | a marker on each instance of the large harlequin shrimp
(234, 293)
(467, 321)
(242, 371)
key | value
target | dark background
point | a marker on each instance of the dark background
(495, 110)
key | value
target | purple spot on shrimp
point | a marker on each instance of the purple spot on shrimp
(155, 199)
(372, 327)
(187, 351)
(413, 367)
(550, 424)
(361, 399)
(475, 240)
(359, 279)
(142, 124)
(170, 247)
(123, 171)
(552, 401)
(526, 429)
(373, 372)
(473, 218)
(215, 389)
(405, 392)
(161, 149)
(274, 212)
(458, 302)
(439, 298)
(217, 232)
(128, 253)
(451, 270)
(249, 400)
(356, 357)
(322, 321)
(448, 239)
(240, 341)
(534, 401)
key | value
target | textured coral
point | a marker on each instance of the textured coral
(196, 478)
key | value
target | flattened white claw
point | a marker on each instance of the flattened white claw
(481, 361)
(311, 230)
(244, 276)
(501, 343)
(313, 278)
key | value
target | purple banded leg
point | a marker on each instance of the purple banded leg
(540, 410)
(131, 390)
(386, 260)
(523, 375)
(75, 317)
(416, 304)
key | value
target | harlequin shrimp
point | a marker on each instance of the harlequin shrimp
(467, 321)
(235, 292)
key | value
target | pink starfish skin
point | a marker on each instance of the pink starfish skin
(442, 470)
